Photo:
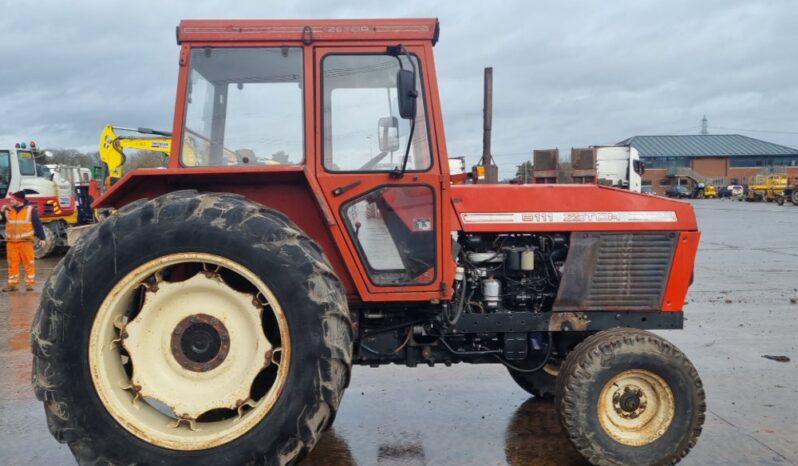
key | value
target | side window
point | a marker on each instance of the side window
(362, 127)
(244, 107)
(5, 172)
(393, 228)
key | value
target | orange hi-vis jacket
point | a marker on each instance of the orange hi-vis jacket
(19, 226)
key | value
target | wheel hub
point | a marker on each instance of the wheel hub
(200, 343)
(630, 402)
(636, 407)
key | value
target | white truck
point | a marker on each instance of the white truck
(19, 171)
(619, 166)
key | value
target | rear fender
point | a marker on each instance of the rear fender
(283, 188)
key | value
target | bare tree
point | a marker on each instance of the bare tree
(144, 159)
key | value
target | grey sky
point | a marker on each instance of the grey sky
(566, 73)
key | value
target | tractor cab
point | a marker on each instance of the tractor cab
(350, 115)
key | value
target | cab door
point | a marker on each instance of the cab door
(389, 222)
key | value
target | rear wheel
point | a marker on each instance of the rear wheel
(209, 330)
(627, 396)
(794, 197)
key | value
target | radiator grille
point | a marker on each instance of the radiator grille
(616, 271)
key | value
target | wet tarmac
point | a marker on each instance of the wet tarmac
(739, 309)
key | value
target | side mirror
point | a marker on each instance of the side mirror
(406, 93)
(388, 134)
(639, 167)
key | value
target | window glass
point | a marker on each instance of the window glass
(362, 127)
(394, 230)
(5, 172)
(27, 166)
(244, 107)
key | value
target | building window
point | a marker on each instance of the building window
(646, 183)
(665, 181)
(763, 161)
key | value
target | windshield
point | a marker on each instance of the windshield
(5, 172)
(244, 106)
(27, 166)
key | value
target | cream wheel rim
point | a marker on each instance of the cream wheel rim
(189, 351)
(636, 407)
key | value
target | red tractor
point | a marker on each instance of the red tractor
(307, 222)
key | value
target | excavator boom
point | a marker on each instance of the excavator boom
(112, 148)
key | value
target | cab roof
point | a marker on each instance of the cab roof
(306, 30)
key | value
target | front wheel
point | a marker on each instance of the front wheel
(201, 329)
(627, 396)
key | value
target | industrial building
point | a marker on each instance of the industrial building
(720, 159)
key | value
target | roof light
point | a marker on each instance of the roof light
(33, 144)
(24, 146)
(16, 146)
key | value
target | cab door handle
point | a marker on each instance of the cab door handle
(342, 189)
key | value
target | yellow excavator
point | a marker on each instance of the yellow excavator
(112, 148)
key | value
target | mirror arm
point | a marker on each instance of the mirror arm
(396, 172)
(401, 50)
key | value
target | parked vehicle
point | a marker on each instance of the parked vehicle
(766, 187)
(734, 191)
(215, 317)
(678, 192)
(619, 166)
(790, 194)
(20, 169)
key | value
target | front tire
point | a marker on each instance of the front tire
(627, 396)
(194, 270)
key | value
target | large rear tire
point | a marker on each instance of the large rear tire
(627, 396)
(192, 329)
(794, 196)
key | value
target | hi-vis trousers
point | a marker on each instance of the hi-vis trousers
(16, 252)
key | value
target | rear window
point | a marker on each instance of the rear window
(244, 107)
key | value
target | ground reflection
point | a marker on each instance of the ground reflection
(533, 437)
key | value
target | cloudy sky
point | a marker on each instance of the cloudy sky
(566, 73)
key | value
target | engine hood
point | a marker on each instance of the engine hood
(566, 207)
